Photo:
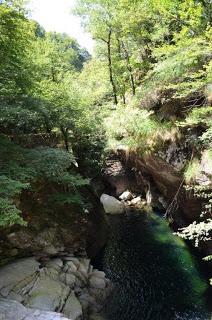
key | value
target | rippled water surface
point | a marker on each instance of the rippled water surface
(154, 274)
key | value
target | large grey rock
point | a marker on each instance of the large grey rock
(70, 266)
(13, 310)
(16, 272)
(112, 205)
(52, 273)
(204, 174)
(70, 280)
(36, 291)
(72, 308)
(100, 295)
(55, 263)
(88, 298)
(84, 266)
(98, 274)
(75, 261)
(89, 302)
(10, 310)
(81, 280)
(47, 294)
(96, 282)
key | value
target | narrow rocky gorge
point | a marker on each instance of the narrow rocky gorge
(55, 284)
(106, 160)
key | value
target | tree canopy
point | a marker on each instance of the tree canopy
(47, 125)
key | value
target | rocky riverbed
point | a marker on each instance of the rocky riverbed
(61, 288)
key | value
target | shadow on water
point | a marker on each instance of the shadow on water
(154, 274)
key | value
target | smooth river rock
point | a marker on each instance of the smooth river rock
(56, 289)
(13, 310)
(112, 205)
(16, 272)
(47, 294)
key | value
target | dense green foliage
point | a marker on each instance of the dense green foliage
(48, 126)
(23, 168)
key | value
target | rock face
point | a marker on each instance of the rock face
(112, 205)
(115, 174)
(66, 288)
(162, 182)
(159, 181)
(204, 176)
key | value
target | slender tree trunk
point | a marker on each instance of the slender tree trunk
(123, 93)
(124, 98)
(111, 68)
(53, 74)
(65, 137)
(129, 68)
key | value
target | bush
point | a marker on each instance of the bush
(191, 171)
(137, 128)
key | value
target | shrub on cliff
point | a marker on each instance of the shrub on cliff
(138, 129)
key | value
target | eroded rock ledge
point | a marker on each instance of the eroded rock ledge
(154, 179)
(61, 288)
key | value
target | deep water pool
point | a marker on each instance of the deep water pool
(155, 276)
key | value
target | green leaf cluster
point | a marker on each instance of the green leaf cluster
(27, 168)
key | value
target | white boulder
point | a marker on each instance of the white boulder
(112, 205)
(136, 200)
(126, 195)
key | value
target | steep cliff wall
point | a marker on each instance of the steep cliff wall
(152, 175)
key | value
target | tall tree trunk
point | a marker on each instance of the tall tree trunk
(127, 58)
(123, 93)
(124, 98)
(65, 137)
(53, 74)
(111, 68)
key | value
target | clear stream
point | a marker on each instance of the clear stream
(155, 276)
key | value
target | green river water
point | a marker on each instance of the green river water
(155, 275)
